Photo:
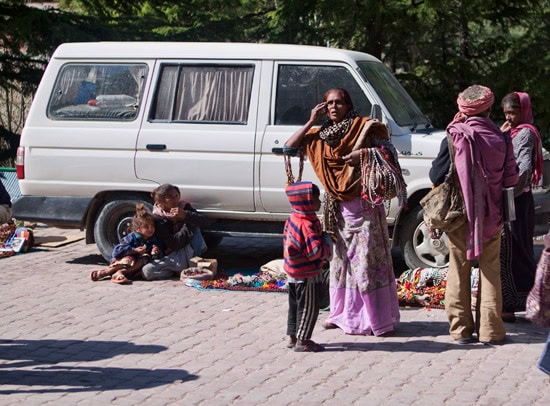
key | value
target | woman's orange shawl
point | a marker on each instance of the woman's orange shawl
(341, 181)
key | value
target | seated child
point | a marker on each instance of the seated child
(134, 251)
(177, 228)
(305, 247)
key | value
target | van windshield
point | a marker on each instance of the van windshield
(401, 106)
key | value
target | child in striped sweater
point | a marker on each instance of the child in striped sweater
(305, 247)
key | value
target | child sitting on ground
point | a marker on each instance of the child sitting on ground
(134, 251)
(177, 228)
(305, 247)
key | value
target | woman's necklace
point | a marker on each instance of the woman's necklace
(332, 132)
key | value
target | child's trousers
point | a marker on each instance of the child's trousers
(303, 307)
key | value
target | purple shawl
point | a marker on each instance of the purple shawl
(485, 163)
(473, 183)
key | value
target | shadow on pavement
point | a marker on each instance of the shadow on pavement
(39, 352)
(43, 357)
(94, 259)
(87, 379)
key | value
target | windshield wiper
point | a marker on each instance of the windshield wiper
(423, 118)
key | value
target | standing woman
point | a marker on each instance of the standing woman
(363, 296)
(518, 263)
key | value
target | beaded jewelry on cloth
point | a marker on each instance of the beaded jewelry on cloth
(381, 177)
(331, 132)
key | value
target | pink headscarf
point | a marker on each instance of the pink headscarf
(526, 121)
(472, 107)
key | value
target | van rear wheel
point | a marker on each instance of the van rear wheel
(419, 250)
(113, 224)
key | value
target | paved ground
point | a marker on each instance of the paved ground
(65, 340)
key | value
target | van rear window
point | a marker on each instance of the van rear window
(203, 93)
(107, 92)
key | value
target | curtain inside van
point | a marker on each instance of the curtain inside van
(210, 93)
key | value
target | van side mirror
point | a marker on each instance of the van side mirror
(376, 112)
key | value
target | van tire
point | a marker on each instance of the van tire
(419, 250)
(113, 224)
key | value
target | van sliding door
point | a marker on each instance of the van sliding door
(200, 132)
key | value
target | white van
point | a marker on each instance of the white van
(111, 121)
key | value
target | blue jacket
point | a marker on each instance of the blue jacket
(132, 241)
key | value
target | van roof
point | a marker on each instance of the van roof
(203, 50)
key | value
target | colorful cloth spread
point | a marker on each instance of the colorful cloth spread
(425, 287)
(422, 287)
(261, 282)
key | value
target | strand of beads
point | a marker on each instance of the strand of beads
(381, 177)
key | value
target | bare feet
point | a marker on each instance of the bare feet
(120, 278)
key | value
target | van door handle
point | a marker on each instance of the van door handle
(156, 147)
(285, 151)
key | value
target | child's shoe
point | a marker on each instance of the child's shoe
(308, 346)
(291, 342)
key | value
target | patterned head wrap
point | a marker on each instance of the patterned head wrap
(471, 107)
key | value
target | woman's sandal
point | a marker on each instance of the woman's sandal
(308, 346)
(328, 325)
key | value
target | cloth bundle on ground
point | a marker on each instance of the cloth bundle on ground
(15, 240)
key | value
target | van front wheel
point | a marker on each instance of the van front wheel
(419, 250)
(113, 224)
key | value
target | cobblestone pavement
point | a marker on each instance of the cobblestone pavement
(65, 340)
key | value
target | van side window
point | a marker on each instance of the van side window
(203, 93)
(108, 92)
(301, 87)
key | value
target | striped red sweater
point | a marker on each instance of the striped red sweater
(304, 248)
